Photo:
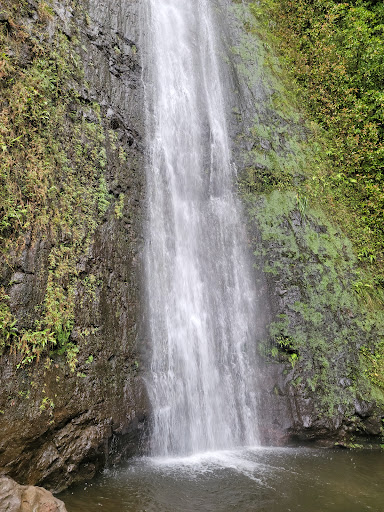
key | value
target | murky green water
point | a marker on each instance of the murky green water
(260, 480)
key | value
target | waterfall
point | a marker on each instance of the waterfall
(200, 290)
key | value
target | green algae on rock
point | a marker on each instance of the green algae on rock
(322, 332)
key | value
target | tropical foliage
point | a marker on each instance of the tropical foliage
(336, 54)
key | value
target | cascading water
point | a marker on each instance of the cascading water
(201, 298)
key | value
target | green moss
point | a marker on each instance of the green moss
(119, 206)
(373, 363)
(312, 239)
(328, 319)
(50, 186)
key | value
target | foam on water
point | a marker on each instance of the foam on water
(244, 462)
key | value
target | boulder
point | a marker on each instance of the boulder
(26, 498)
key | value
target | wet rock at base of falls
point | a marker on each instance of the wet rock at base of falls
(26, 498)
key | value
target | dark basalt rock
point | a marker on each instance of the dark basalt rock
(58, 427)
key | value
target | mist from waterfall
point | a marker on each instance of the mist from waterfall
(202, 305)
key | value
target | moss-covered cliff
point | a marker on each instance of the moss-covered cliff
(71, 184)
(71, 202)
(324, 375)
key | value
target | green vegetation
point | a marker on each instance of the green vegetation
(52, 185)
(374, 363)
(335, 54)
(320, 330)
(313, 183)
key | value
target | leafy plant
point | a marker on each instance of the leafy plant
(50, 187)
(334, 52)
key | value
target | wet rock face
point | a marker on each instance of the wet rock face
(23, 498)
(313, 386)
(59, 426)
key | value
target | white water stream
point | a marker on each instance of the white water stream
(201, 299)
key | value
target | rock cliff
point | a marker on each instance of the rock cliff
(82, 406)
(73, 401)
(315, 383)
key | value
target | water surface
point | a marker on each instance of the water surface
(258, 480)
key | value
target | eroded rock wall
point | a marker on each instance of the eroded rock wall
(58, 424)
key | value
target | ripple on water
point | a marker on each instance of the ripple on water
(248, 480)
